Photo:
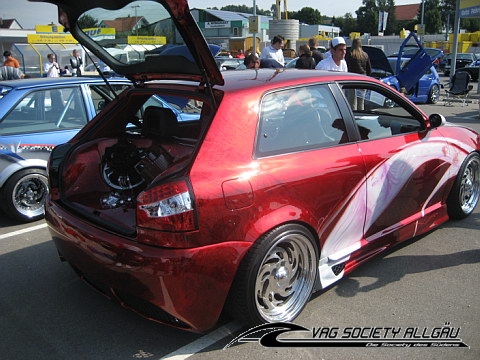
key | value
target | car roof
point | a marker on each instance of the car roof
(265, 79)
(60, 81)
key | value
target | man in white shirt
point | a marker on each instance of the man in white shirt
(51, 67)
(274, 50)
(335, 62)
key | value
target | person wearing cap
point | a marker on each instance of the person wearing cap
(336, 62)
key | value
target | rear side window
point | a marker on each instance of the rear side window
(298, 119)
(46, 110)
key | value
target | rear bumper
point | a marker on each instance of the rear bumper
(184, 288)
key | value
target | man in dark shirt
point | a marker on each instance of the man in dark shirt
(317, 54)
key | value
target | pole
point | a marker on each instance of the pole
(135, 9)
(456, 30)
(254, 50)
(423, 23)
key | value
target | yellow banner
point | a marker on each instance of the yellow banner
(468, 3)
(96, 32)
(49, 29)
(146, 40)
(51, 39)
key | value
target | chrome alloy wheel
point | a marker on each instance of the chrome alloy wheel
(285, 278)
(470, 185)
(29, 194)
(434, 94)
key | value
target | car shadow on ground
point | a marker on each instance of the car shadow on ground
(394, 268)
(6, 221)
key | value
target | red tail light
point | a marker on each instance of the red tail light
(168, 207)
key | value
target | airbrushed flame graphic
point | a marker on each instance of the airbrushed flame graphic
(382, 186)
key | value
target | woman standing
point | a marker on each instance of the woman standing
(306, 60)
(357, 62)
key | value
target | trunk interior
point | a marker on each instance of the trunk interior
(104, 175)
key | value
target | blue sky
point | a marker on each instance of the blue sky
(29, 14)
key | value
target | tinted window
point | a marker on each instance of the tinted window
(298, 119)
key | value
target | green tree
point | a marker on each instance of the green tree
(306, 15)
(347, 24)
(367, 17)
(389, 7)
(447, 11)
(87, 22)
(432, 17)
(470, 24)
(245, 9)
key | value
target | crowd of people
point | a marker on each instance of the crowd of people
(310, 57)
(10, 69)
(271, 56)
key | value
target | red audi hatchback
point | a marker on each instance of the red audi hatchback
(288, 181)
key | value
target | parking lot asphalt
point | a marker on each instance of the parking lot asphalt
(457, 112)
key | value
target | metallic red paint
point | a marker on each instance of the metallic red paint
(189, 284)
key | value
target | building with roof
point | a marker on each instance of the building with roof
(125, 25)
(219, 26)
(407, 12)
(11, 24)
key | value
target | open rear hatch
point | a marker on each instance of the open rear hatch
(141, 145)
(142, 40)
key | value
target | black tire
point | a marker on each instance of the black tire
(24, 194)
(287, 255)
(434, 94)
(463, 197)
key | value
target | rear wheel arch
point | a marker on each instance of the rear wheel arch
(261, 263)
(465, 192)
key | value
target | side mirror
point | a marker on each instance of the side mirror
(437, 120)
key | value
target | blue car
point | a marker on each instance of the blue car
(39, 113)
(426, 89)
(411, 70)
(422, 86)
